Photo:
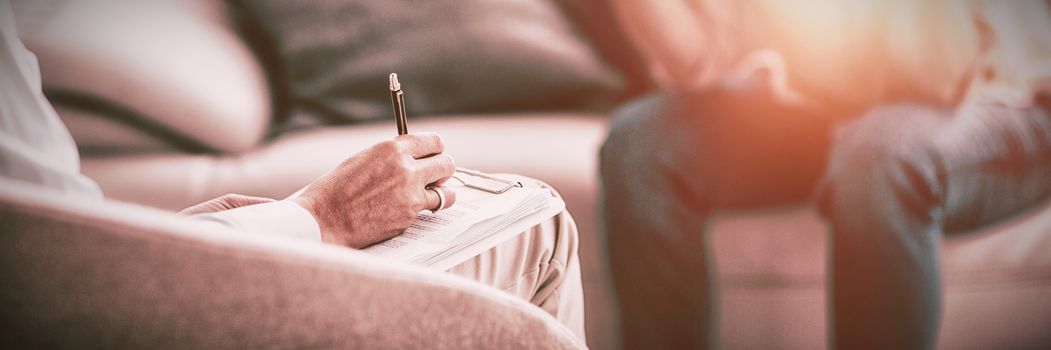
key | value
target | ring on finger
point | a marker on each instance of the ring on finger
(441, 199)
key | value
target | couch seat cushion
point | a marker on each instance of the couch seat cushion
(772, 281)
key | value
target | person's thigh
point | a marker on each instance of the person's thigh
(668, 163)
(899, 178)
(970, 167)
(731, 149)
(540, 265)
(997, 162)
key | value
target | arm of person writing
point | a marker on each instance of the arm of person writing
(257, 215)
(371, 196)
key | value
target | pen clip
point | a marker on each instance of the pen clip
(484, 182)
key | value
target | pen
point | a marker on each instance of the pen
(397, 98)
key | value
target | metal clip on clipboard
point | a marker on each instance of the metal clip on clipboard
(482, 181)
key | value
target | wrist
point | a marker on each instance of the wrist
(327, 221)
(309, 205)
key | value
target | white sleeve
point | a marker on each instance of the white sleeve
(283, 218)
(35, 146)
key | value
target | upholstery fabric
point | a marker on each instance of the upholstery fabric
(96, 132)
(772, 263)
(111, 275)
(520, 144)
(173, 64)
(452, 56)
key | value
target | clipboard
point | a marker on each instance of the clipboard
(470, 178)
(485, 182)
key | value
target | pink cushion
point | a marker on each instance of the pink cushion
(176, 63)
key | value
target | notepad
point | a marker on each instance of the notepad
(480, 219)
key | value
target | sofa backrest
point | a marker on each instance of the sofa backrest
(207, 76)
(597, 20)
(330, 60)
(112, 275)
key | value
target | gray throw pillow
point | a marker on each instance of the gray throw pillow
(331, 58)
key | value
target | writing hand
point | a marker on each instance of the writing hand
(376, 194)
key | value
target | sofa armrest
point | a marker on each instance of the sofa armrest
(112, 275)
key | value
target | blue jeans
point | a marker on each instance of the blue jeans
(889, 183)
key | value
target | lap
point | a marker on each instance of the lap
(733, 149)
(539, 265)
(517, 266)
(984, 162)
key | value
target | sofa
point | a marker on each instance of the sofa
(82, 273)
(176, 102)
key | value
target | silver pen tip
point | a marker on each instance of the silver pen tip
(394, 84)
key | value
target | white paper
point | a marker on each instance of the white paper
(477, 222)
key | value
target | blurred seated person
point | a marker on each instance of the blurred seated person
(908, 119)
(369, 197)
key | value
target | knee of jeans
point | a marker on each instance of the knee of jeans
(627, 134)
(887, 151)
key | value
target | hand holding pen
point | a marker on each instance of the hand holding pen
(492, 185)
(397, 99)
(377, 193)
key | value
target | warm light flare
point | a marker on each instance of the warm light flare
(860, 53)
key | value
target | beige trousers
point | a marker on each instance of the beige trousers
(540, 266)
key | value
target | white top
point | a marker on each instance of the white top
(37, 150)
